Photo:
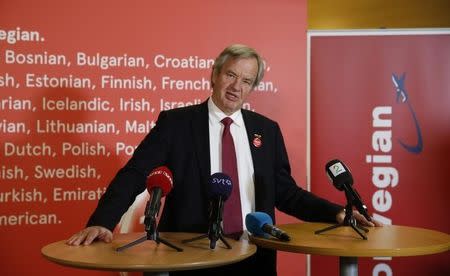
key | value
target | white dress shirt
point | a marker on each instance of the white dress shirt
(243, 154)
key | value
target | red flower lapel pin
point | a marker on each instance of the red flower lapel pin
(257, 141)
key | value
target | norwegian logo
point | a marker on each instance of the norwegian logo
(403, 98)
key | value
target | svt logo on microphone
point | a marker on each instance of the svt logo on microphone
(222, 181)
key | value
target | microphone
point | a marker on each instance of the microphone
(260, 224)
(159, 184)
(220, 186)
(342, 179)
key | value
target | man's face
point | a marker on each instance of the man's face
(234, 83)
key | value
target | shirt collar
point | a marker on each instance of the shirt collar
(217, 115)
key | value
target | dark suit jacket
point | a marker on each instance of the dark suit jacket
(180, 141)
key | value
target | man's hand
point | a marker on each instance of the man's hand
(89, 234)
(360, 219)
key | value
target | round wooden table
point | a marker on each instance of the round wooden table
(148, 255)
(386, 241)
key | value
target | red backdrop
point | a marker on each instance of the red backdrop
(41, 46)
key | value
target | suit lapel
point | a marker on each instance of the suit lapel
(200, 130)
(255, 131)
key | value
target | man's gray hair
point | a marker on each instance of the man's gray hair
(238, 51)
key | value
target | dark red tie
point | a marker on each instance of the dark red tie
(232, 214)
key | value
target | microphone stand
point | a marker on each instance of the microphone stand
(213, 240)
(152, 233)
(349, 219)
(215, 230)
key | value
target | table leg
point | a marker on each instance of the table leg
(348, 266)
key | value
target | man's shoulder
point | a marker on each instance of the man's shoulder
(257, 118)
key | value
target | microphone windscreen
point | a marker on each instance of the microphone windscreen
(339, 174)
(160, 177)
(255, 222)
(220, 184)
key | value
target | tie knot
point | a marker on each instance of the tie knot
(227, 121)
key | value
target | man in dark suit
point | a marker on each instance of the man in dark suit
(187, 140)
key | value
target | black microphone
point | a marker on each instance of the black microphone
(342, 179)
(159, 183)
(260, 224)
(220, 186)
